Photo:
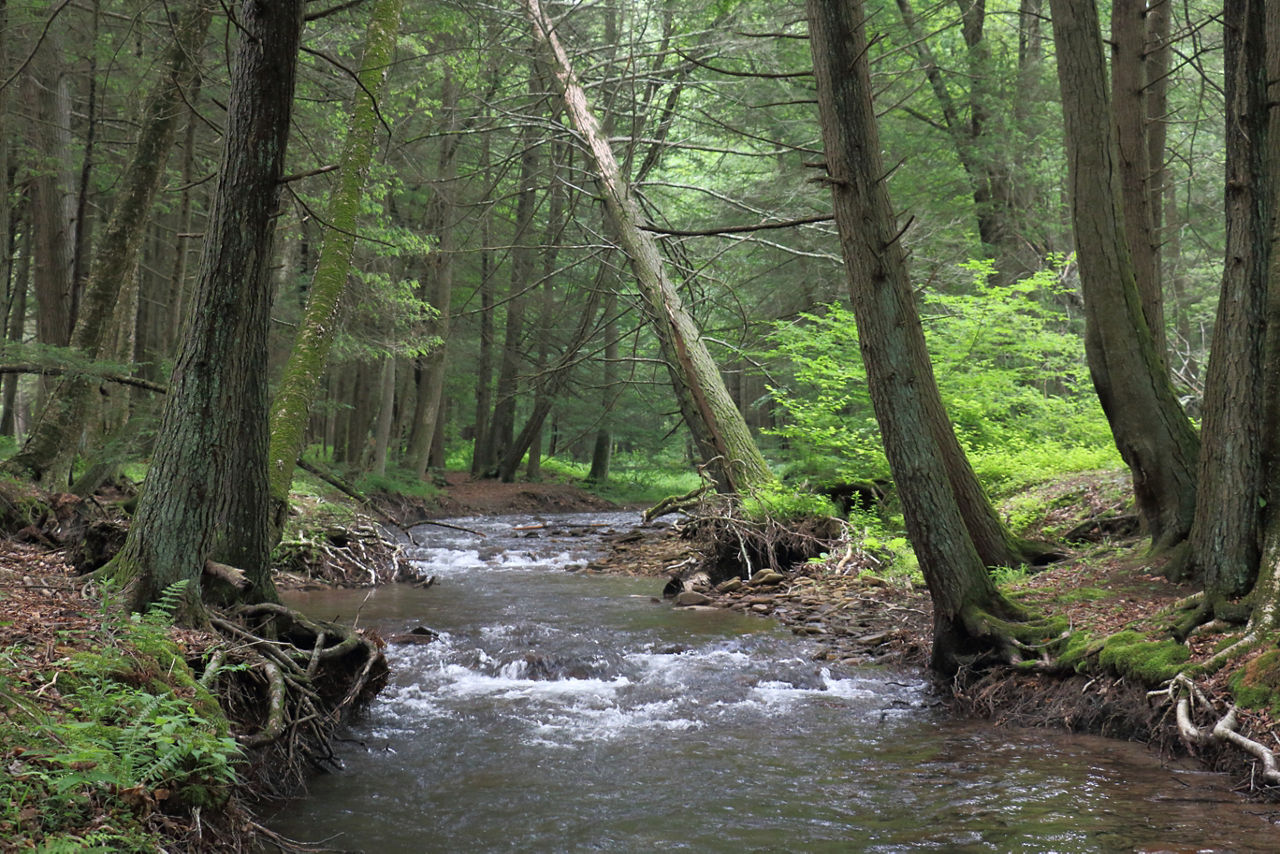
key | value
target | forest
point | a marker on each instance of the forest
(932, 255)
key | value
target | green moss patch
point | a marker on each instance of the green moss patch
(1257, 684)
(1132, 654)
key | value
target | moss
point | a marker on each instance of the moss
(1133, 655)
(1082, 594)
(1076, 651)
(1257, 684)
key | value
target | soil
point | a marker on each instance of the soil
(463, 495)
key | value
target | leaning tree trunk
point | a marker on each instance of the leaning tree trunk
(292, 404)
(211, 450)
(899, 374)
(724, 440)
(47, 454)
(1152, 433)
(1223, 546)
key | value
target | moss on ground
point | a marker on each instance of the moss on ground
(1256, 685)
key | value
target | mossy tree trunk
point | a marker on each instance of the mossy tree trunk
(724, 441)
(899, 373)
(210, 455)
(50, 448)
(292, 405)
(1152, 433)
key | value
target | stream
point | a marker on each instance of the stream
(563, 711)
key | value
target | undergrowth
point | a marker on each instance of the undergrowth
(101, 744)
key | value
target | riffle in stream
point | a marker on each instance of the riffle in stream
(560, 711)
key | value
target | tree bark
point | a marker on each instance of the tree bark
(48, 113)
(206, 492)
(47, 454)
(1223, 546)
(430, 372)
(310, 353)
(1129, 99)
(724, 440)
(1152, 433)
(899, 374)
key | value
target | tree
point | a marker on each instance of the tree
(710, 413)
(206, 490)
(971, 618)
(1154, 437)
(310, 351)
(50, 448)
(1223, 546)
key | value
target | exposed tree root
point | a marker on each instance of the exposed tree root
(358, 554)
(287, 681)
(732, 544)
(1186, 697)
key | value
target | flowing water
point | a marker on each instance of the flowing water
(559, 711)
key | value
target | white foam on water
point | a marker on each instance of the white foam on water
(580, 725)
(463, 682)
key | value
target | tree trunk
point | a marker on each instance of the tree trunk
(602, 451)
(206, 492)
(481, 450)
(386, 413)
(724, 441)
(1129, 101)
(502, 427)
(1153, 435)
(310, 353)
(45, 93)
(1223, 545)
(442, 215)
(899, 374)
(50, 449)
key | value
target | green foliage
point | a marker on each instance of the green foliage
(885, 539)
(1008, 362)
(397, 482)
(784, 503)
(130, 729)
(633, 479)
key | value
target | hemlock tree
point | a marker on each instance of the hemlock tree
(971, 618)
(1152, 433)
(310, 351)
(206, 491)
(711, 415)
(50, 448)
(1223, 546)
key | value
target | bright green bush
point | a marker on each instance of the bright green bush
(1008, 361)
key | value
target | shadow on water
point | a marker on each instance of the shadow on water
(562, 712)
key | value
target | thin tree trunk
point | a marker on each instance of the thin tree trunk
(310, 353)
(1133, 145)
(442, 216)
(481, 450)
(724, 441)
(1152, 433)
(45, 93)
(602, 452)
(206, 492)
(386, 415)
